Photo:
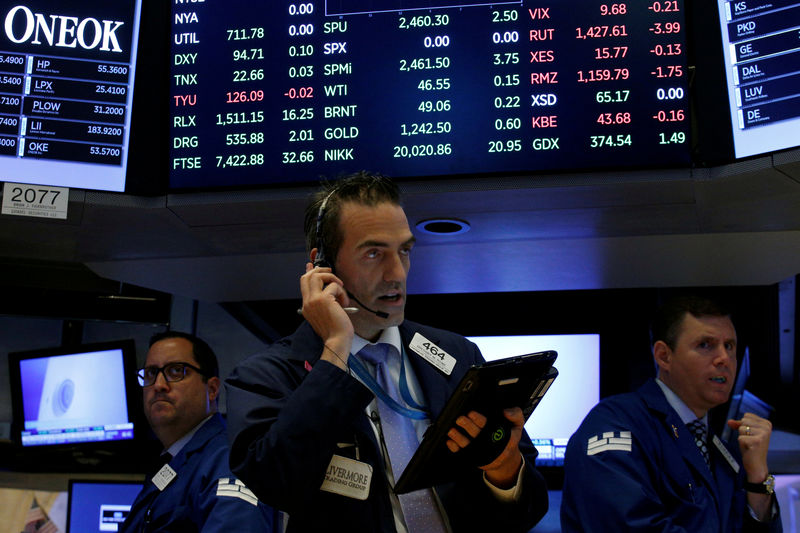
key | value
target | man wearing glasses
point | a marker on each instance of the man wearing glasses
(194, 490)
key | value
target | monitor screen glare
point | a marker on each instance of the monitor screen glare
(74, 398)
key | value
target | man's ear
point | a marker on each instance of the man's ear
(313, 255)
(213, 388)
(662, 354)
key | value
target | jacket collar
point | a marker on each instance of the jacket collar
(432, 381)
(657, 403)
(306, 347)
(204, 433)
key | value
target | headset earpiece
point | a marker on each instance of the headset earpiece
(320, 260)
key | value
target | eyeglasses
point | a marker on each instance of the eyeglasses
(172, 372)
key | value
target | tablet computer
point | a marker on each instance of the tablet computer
(488, 388)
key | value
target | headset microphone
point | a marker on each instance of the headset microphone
(379, 314)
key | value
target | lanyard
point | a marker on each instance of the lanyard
(417, 413)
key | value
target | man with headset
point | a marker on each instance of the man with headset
(302, 417)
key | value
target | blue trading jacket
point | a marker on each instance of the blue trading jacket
(633, 466)
(289, 413)
(204, 496)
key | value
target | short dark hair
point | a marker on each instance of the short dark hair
(202, 352)
(363, 188)
(669, 317)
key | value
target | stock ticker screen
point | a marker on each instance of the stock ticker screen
(66, 90)
(761, 44)
(286, 92)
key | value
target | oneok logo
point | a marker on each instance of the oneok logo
(67, 32)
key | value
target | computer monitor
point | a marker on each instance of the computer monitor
(95, 505)
(787, 492)
(73, 396)
(759, 42)
(572, 395)
(744, 78)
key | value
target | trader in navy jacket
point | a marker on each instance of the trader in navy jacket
(194, 490)
(634, 465)
(296, 412)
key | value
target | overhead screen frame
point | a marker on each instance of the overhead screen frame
(148, 153)
(713, 93)
(142, 170)
(148, 171)
(532, 171)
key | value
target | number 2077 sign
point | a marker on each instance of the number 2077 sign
(35, 200)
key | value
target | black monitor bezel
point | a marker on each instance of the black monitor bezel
(712, 132)
(128, 348)
(73, 481)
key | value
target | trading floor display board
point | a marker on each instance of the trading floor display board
(66, 91)
(284, 92)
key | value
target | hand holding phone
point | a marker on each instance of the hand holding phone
(324, 303)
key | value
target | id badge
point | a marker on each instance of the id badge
(348, 477)
(164, 477)
(432, 354)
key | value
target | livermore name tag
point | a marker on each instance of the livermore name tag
(347, 477)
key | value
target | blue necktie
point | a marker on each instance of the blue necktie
(419, 507)
(700, 434)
